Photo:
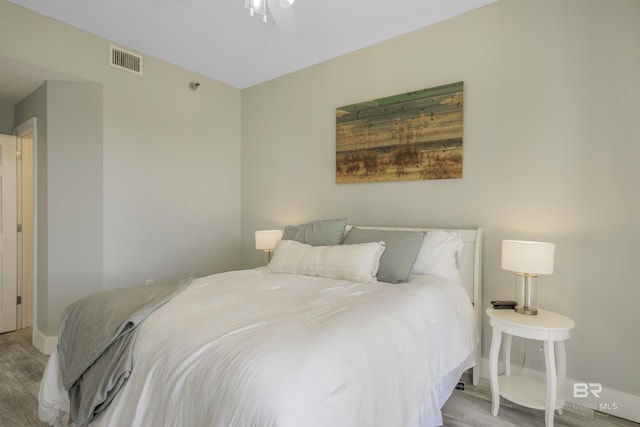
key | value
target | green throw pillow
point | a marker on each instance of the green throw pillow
(328, 232)
(401, 250)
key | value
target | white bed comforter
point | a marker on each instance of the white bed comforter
(246, 348)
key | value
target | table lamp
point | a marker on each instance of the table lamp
(266, 240)
(527, 260)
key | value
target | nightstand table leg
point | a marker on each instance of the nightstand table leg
(552, 385)
(493, 370)
(507, 354)
(562, 372)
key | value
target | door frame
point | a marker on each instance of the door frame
(25, 128)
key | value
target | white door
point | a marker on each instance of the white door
(8, 234)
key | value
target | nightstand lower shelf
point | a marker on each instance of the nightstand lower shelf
(525, 391)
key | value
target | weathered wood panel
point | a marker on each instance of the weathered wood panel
(416, 135)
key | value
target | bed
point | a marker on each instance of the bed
(295, 344)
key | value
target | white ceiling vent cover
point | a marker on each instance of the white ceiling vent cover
(125, 60)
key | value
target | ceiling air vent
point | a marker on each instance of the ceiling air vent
(125, 60)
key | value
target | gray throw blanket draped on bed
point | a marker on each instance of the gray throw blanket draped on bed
(95, 344)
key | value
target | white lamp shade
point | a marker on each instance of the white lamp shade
(528, 257)
(266, 239)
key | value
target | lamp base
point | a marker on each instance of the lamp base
(529, 311)
(526, 294)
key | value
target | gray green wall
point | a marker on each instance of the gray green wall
(70, 190)
(7, 113)
(551, 153)
(138, 177)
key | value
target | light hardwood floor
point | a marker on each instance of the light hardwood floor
(21, 368)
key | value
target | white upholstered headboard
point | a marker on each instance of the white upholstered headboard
(470, 269)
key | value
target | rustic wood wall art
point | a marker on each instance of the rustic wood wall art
(412, 136)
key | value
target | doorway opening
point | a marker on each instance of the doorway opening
(26, 146)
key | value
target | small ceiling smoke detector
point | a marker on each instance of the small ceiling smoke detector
(125, 60)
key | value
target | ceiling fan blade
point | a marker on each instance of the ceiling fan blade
(283, 16)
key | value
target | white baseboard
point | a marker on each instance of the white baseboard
(44, 344)
(612, 402)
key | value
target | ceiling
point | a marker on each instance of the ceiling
(218, 38)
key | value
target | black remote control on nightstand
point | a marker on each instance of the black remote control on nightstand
(503, 304)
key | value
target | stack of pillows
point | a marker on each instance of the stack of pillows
(333, 249)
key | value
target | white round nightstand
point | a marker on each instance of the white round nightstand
(552, 328)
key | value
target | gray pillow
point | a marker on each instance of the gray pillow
(401, 250)
(328, 232)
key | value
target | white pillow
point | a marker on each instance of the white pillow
(439, 254)
(356, 263)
